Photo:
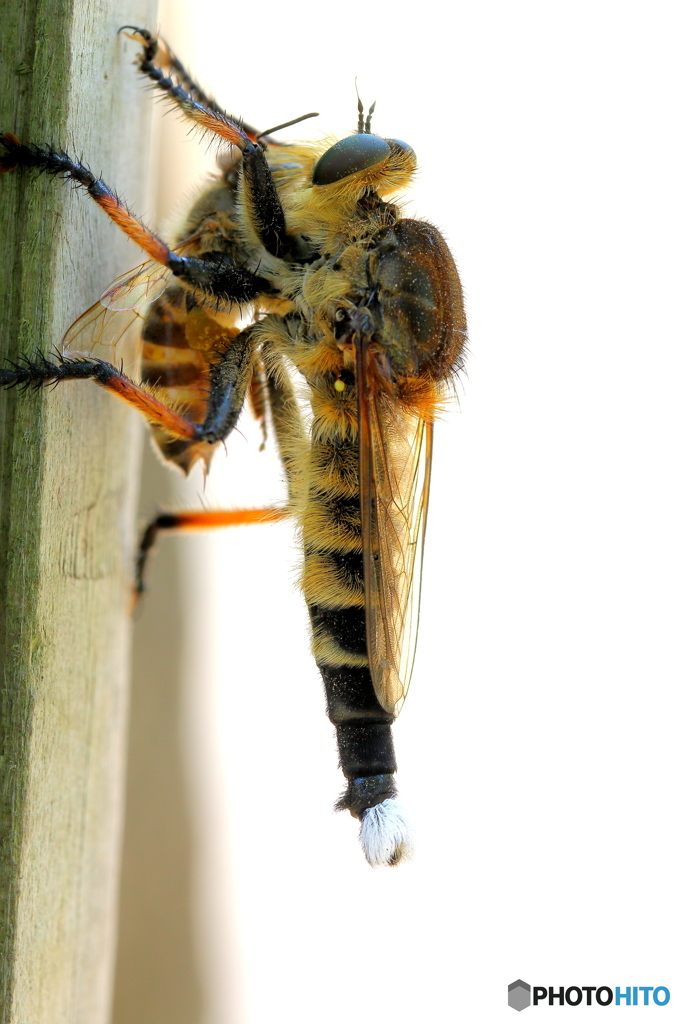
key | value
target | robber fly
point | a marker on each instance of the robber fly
(367, 306)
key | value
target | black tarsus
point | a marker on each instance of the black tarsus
(192, 87)
(163, 521)
(152, 43)
(39, 371)
(228, 383)
(267, 210)
(177, 93)
(50, 160)
(214, 272)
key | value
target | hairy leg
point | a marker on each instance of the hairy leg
(157, 53)
(215, 273)
(229, 381)
(260, 194)
(202, 519)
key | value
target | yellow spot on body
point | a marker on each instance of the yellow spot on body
(339, 385)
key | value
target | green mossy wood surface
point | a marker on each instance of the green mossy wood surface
(68, 471)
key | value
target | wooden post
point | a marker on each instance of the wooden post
(68, 466)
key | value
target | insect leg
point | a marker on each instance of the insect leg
(215, 273)
(258, 401)
(157, 54)
(55, 162)
(203, 519)
(209, 117)
(40, 371)
(286, 416)
(230, 379)
(228, 383)
(260, 193)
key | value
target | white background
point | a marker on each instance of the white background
(538, 748)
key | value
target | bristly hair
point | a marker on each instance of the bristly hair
(385, 834)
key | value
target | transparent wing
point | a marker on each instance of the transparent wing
(137, 287)
(395, 473)
(115, 321)
(99, 326)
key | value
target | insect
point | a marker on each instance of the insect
(364, 307)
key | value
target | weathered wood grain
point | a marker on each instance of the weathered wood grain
(68, 470)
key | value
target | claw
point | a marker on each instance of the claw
(140, 35)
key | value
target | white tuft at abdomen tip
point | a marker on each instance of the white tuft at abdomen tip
(385, 834)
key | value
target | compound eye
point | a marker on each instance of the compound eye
(356, 153)
(399, 144)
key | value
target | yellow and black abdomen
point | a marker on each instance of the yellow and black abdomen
(179, 344)
(181, 339)
(333, 585)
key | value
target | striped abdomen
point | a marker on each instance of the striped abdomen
(333, 584)
(179, 342)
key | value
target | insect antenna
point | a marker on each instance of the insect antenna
(364, 123)
(286, 124)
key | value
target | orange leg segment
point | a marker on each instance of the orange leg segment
(202, 519)
(194, 104)
(157, 51)
(262, 198)
(216, 273)
(55, 162)
(152, 409)
(41, 371)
